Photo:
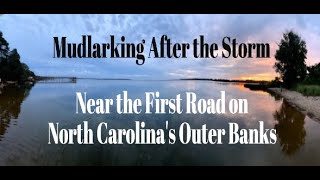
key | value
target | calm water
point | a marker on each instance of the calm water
(24, 117)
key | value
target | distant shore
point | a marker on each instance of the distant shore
(224, 80)
(309, 105)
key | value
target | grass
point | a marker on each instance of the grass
(308, 90)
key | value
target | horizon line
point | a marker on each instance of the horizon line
(204, 79)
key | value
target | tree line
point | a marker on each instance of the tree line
(11, 68)
(291, 62)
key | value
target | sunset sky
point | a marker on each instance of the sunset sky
(33, 36)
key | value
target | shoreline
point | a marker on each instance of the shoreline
(309, 105)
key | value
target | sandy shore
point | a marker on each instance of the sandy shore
(308, 104)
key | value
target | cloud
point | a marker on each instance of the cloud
(33, 36)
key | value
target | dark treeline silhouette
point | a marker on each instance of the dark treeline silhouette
(291, 65)
(290, 59)
(11, 68)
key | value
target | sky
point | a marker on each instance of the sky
(32, 36)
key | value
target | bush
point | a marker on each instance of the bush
(275, 83)
(314, 75)
(308, 90)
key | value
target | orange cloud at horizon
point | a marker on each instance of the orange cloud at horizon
(258, 77)
(270, 73)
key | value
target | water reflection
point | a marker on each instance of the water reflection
(290, 128)
(27, 143)
(11, 99)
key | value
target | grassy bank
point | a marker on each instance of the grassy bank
(308, 90)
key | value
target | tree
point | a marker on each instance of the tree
(290, 59)
(14, 65)
(4, 47)
(11, 68)
(26, 72)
